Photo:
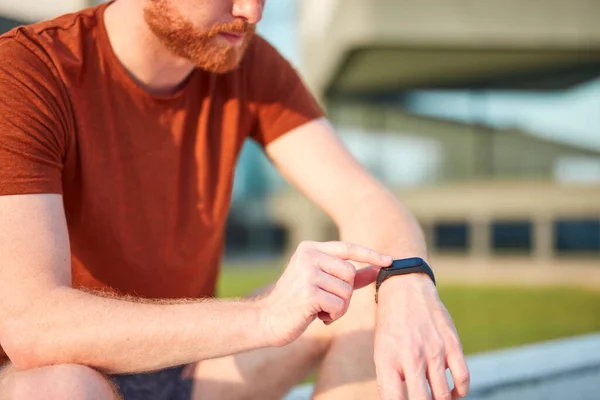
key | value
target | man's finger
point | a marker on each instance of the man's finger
(341, 269)
(460, 374)
(354, 252)
(323, 316)
(416, 384)
(365, 276)
(335, 286)
(437, 380)
(331, 304)
(391, 386)
(346, 271)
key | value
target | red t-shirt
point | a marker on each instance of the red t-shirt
(146, 180)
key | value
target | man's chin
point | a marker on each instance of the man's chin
(220, 63)
(218, 66)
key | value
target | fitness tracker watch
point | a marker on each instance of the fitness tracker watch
(403, 267)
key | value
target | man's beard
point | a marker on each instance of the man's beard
(182, 38)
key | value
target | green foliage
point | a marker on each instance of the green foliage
(492, 317)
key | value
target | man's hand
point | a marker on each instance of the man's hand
(415, 341)
(317, 283)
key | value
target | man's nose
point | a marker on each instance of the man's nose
(250, 10)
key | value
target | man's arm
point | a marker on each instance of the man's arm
(415, 339)
(315, 161)
(44, 321)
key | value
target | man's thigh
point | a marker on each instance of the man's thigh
(268, 373)
(3, 371)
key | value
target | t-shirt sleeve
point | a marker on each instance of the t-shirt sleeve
(32, 121)
(280, 98)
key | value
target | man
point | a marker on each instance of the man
(119, 131)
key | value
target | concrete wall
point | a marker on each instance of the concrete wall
(37, 10)
(551, 30)
(509, 23)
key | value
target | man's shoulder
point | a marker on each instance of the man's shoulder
(68, 23)
(21, 56)
(60, 37)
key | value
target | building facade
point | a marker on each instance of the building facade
(488, 180)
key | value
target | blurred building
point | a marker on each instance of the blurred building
(476, 190)
(379, 47)
(484, 117)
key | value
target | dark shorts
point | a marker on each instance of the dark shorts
(167, 384)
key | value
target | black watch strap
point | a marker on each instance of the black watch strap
(403, 267)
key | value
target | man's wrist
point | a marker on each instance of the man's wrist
(261, 335)
(408, 278)
(395, 285)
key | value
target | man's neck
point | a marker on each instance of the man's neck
(148, 62)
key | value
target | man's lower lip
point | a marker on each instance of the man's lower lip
(232, 38)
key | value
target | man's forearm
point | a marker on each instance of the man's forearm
(384, 224)
(121, 336)
(414, 335)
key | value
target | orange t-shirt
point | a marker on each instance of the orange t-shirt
(146, 180)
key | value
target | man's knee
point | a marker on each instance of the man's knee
(66, 382)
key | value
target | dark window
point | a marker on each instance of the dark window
(577, 235)
(511, 236)
(451, 236)
(259, 240)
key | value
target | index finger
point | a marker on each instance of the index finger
(354, 252)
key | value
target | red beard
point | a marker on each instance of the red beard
(182, 38)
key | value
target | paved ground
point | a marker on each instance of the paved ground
(566, 369)
(581, 386)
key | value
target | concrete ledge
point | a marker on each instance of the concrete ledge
(566, 368)
(531, 372)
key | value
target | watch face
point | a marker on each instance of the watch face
(407, 263)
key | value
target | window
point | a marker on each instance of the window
(577, 235)
(508, 237)
(261, 240)
(451, 236)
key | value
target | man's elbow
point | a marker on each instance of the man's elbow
(29, 340)
(20, 340)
